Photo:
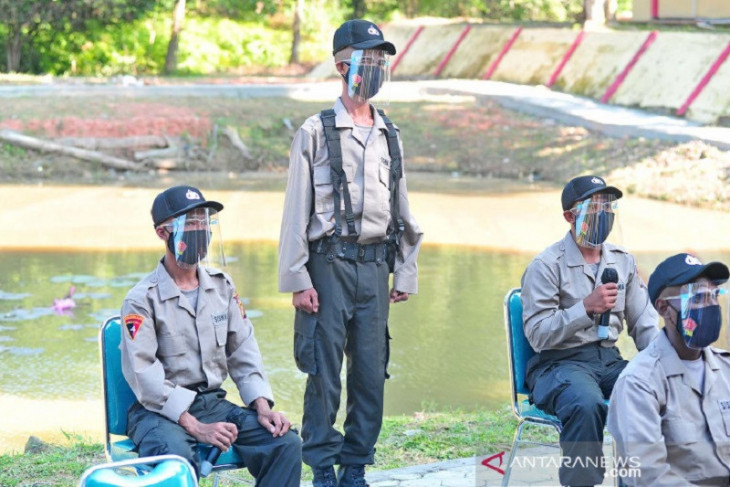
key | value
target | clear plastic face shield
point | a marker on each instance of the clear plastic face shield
(700, 308)
(195, 239)
(368, 74)
(595, 219)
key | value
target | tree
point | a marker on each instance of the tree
(178, 18)
(595, 11)
(297, 32)
(24, 18)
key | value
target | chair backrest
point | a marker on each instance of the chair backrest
(519, 350)
(165, 471)
(118, 396)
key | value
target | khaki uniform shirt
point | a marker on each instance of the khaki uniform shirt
(665, 426)
(170, 352)
(555, 284)
(309, 203)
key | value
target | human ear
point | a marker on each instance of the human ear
(569, 216)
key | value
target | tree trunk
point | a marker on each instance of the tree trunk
(178, 17)
(610, 8)
(12, 50)
(358, 9)
(594, 11)
(297, 31)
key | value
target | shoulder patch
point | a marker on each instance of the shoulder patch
(237, 299)
(133, 323)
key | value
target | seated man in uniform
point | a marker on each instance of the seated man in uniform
(185, 332)
(565, 300)
(670, 409)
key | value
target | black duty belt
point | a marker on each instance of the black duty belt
(352, 251)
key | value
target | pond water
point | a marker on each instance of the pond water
(448, 347)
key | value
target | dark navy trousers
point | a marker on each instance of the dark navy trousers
(351, 322)
(573, 385)
(274, 462)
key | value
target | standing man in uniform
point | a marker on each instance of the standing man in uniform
(185, 332)
(670, 409)
(346, 226)
(563, 298)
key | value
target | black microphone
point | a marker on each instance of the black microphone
(609, 275)
(207, 466)
(234, 416)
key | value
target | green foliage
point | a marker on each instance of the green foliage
(404, 440)
(56, 465)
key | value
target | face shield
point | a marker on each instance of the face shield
(700, 308)
(595, 219)
(195, 239)
(368, 73)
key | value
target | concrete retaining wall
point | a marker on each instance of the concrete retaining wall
(664, 71)
(681, 9)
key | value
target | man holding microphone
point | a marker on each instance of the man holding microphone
(577, 295)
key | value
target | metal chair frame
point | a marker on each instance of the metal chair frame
(523, 410)
(525, 413)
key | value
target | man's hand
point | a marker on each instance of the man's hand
(397, 296)
(602, 299)
(306, 300)
(275, 423)
(221, 435)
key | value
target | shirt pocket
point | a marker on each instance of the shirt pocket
(305, 327)
(384, 176)
(680, 432)
(620, 297)
(170, 345)
(221, 334)
(324, 201)
(725, 413)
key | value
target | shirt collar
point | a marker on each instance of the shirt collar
(344, 120)
(168, 288)
(574, 258)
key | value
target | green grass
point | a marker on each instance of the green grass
(404, 440)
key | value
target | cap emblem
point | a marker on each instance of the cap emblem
(192, 195)
(692, 260)
(596, 181)
(373, 31)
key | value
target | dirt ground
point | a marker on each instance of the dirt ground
(499, 170)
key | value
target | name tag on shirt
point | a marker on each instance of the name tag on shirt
(220, 318)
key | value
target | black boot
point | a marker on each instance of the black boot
(324, 477)
(352, 476)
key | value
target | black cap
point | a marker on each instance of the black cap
(682, 269)
(582, 187)
(178, 200)
(360, 34)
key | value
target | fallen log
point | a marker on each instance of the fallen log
(112, 143)
(236, 142)
(33, 143)
(156, 153)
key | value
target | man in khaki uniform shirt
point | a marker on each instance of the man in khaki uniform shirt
(563, 299)
(341, 231)
(670, 409)
(185, 331)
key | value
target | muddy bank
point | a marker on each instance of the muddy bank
(524, 220)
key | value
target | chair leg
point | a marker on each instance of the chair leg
(512, 453)
(216, 479)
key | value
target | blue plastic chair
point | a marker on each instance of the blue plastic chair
(161, 471)
(118, 397)
(519, 352)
